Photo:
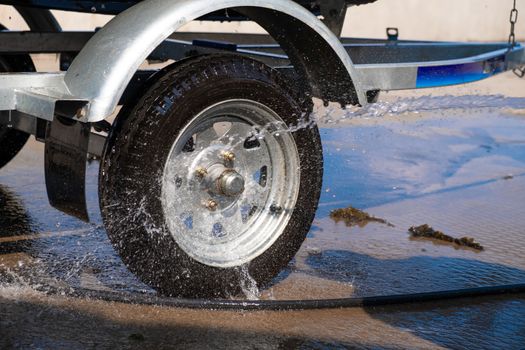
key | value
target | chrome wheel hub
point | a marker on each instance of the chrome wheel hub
(230, 183)
(228, 170)
(222, 180)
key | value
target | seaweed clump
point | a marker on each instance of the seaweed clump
(426, 231)
(352, 217)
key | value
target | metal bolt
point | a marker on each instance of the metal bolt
(211, 205)
(81, 112)
(201, 172)
(228, 156)
(276, 209)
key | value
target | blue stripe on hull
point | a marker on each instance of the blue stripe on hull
(434, 76)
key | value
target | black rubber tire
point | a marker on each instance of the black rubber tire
(12, 141)
(137, 149)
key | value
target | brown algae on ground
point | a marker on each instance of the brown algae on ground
(426, 231)
(352, 217)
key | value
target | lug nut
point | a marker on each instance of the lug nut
(276, 209)
(211, 205)
(201, 172)
(228, 156)
(178, 181)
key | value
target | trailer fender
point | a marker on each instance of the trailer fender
(104, 67)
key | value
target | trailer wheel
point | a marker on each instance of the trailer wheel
(12, 141)
(207, 182)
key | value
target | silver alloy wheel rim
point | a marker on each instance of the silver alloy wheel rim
(230, 228)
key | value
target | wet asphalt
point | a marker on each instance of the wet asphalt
(459, 170)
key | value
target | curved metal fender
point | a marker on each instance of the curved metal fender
(104, 67)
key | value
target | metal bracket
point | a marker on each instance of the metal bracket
(520, 72)
(66, 151)
(392, 34)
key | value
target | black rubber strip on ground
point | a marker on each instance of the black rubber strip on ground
(283, 305)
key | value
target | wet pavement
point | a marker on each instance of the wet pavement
(460, 170)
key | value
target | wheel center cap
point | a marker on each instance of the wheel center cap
(221, 180)
(230, 183)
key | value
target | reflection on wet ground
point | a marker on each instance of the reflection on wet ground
(461, 172)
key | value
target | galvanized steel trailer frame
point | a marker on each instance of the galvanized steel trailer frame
(102, 68)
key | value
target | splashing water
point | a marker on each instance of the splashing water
(248, 284)
(333, 113)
